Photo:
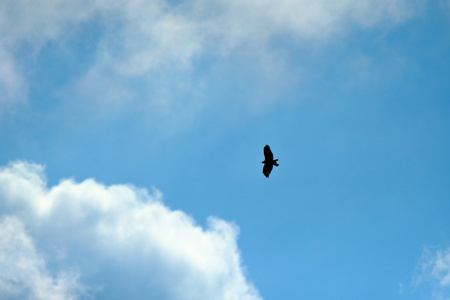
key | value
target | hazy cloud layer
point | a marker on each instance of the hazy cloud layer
(122, 241)
(138, 37)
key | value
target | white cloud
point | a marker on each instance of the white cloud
(122, 239)
(433, 271)
(259, 20)
(23, 272)
(139, 37)
(25, 26)
(154, 34)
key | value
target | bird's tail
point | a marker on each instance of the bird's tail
(275, 163)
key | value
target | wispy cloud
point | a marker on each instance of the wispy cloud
(433, 271)
(13, 90)
(120, 238)
(153, 35)
(144, 38)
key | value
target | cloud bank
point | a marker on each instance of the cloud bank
(140, 37)
(80, 240)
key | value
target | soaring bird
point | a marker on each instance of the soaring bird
(268, 161)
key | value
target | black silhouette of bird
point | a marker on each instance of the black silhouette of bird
(268, 162)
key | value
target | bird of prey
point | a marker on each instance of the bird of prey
(268, 162)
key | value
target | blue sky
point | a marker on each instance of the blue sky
(132, 137)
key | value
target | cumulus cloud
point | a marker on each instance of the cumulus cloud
(433, 271)
(122, 240)
(138, 37)
(23, 272)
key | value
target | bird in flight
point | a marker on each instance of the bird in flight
(268, 162)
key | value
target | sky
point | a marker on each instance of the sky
(132, 135)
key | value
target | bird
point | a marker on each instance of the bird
(268, 162)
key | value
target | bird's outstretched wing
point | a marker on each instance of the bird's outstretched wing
(268, 155)
(267, 169)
